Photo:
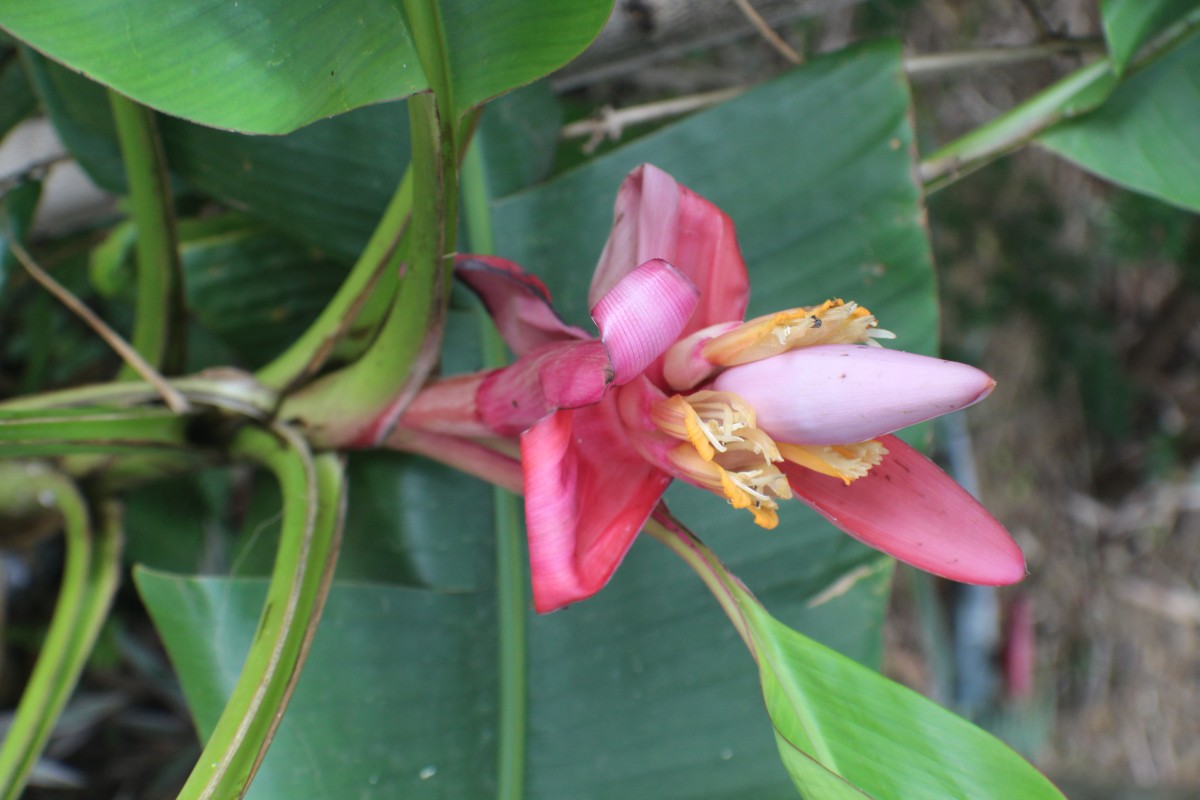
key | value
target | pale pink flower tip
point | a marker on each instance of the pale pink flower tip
(835, 394)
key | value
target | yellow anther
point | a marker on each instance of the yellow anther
(847, 462)
(832, 322)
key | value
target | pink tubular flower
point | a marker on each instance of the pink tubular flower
(793, 404)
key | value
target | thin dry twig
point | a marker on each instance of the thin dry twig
(170, 395)
(773, 39)
(612, 122)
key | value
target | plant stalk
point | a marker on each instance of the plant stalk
(313, 496)
(511, 603)
(90, 577)
(158, 322)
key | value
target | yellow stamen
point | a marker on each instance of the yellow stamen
(832, 322)
(724, 451)
(845, 461)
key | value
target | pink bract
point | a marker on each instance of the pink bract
(596, 460)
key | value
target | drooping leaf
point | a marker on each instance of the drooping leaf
(1128, 24)
(272, 66)
(831, 714)
(1144, 136)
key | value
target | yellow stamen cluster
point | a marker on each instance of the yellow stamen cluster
(832, 322)
(845, 461)
(723, 450)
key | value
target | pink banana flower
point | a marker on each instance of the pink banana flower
(796, 404)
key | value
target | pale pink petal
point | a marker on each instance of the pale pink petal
(518, 303)
(642, 315)
(908, 508)
(567, 374)
(656, 217)
(587, 494)
(834, 394)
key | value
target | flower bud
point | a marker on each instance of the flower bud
(834, 394)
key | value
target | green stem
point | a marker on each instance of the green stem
(429, 37)
(371, 282)
(230, 391)
(312, 515)
(511, 602)
(511, 608)
(158, 325)
(360, 404)
(1079, 92)
(45, 433)
(88, 584)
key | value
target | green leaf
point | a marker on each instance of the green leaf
(833, 714)
(640, 693)
(272, 66)
(494, 47)
(1144, 136)
(326, 184)
(393, 701)
(1128, 24)
(843, 730)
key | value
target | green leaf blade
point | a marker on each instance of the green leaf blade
(1144, 136)
(1128, 24)
(262, 66)
(520, 42)
(272, 66)
(885, 739)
